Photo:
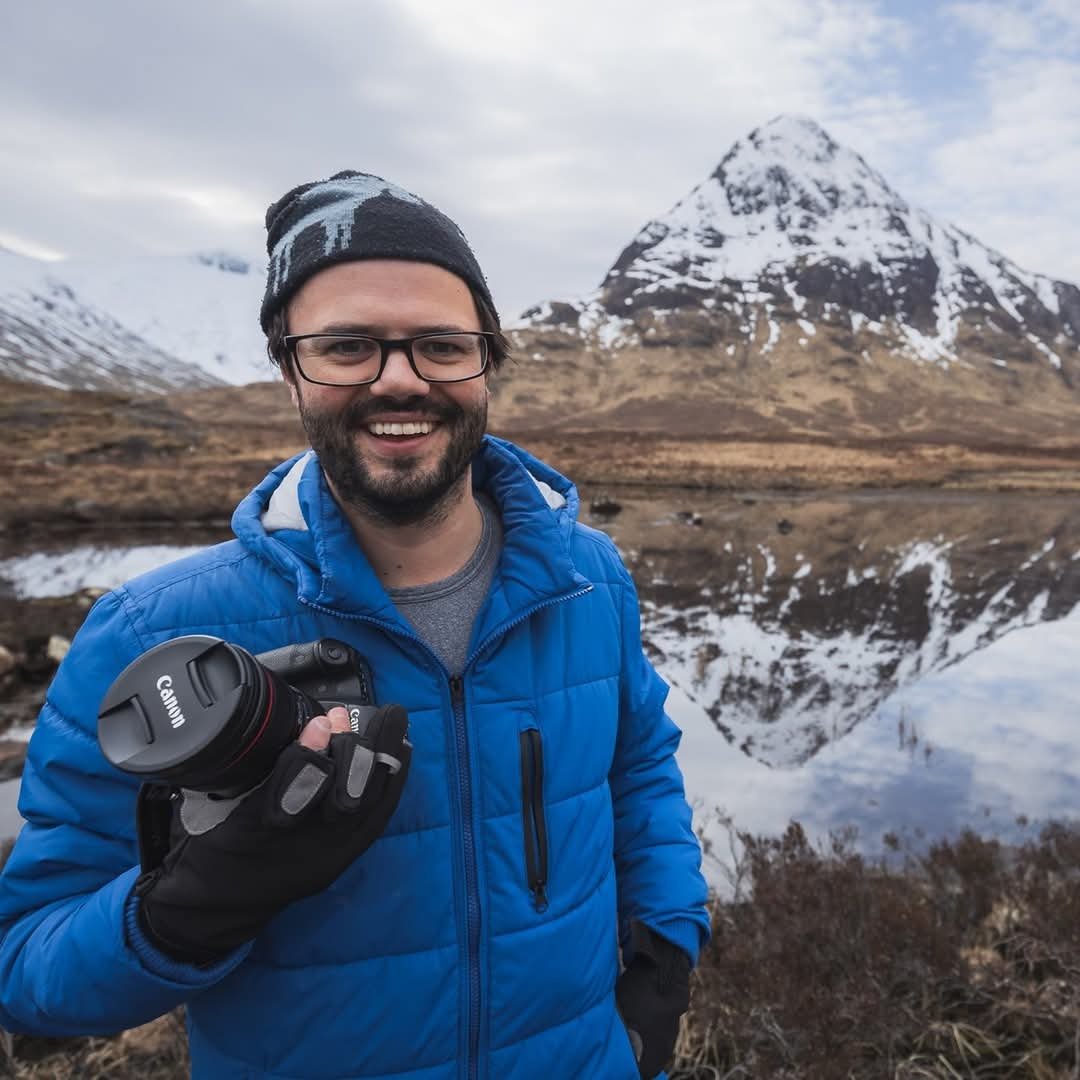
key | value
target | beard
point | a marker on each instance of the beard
(404, 492)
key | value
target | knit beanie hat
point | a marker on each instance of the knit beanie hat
(352, 216)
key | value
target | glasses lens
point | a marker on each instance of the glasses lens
(449, 357)
(333, 358)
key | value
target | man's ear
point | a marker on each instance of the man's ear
(290, 382)
(288, 376)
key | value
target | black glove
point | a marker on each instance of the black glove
(652, 994)
(290, 837)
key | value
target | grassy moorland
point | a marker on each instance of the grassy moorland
(960, 961)
(79, 458)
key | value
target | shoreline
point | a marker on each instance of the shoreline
(201, 485)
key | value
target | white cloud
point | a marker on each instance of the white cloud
(1011, 178)
(551, 132)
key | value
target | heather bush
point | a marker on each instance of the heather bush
(963, 961)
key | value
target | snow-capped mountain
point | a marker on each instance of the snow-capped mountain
(791, 224)
(799, 283)
(136, 324)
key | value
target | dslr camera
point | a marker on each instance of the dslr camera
(198, 712)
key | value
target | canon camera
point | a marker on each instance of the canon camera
(198, 712)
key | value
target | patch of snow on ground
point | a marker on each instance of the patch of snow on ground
(42, 574)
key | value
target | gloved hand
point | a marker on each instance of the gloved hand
(289, 838)
(652, 994)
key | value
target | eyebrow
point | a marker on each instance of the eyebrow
(373, 330)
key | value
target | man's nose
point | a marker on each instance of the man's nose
(398, 378)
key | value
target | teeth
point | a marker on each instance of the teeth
(379, 428)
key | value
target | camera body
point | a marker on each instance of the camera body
(201, 713)
(328, 671)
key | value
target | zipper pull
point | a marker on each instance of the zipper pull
(540, 900)
(457, 689)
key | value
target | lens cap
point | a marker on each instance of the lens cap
(172, 704)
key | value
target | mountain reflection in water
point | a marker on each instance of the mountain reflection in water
(893, 662)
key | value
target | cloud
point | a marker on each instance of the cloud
(1011, 178)
(551, 132)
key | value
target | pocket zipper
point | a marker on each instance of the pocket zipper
(532, 816)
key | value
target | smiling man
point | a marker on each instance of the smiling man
(522, 897)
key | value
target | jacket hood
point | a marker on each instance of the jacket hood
(292, 521)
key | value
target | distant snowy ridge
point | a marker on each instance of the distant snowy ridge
(143, 324)
(794, 230)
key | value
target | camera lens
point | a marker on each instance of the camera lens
(200, 713)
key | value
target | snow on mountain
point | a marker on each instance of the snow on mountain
(792, 227)
(142, 323)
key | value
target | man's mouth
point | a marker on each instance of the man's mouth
(396, 429)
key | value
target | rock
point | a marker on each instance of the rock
(12, 757)
(689, 517)
(7, 661)
(783, 526)
(605, 506)
(57, 648)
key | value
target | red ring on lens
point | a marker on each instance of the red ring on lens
(266, 720)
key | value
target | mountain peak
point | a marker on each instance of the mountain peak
(794, 240)
(793, 162)
(796, 133)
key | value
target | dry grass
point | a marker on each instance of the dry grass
(964, 962)
(155, 1051)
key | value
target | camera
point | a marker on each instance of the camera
(201, 713)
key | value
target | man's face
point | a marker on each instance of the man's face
(398, 479)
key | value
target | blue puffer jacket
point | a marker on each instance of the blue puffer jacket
(430, 958)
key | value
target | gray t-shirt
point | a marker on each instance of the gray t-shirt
(443, 612)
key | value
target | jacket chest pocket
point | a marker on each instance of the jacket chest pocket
(533, 818)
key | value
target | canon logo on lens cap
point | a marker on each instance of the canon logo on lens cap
(172, 706)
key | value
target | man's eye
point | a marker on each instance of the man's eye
(347, 348)
(443, 348)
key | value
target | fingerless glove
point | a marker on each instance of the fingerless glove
(289, 838)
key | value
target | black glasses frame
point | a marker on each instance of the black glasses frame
(388, 345)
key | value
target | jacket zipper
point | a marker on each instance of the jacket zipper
(532, 817)
(472, 887)
(464, 808)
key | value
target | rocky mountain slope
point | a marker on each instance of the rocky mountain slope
(794, 289)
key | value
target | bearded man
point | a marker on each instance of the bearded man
(521, 895)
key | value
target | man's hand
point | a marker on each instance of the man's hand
(652, 994)
(329, 797)
(317, 731)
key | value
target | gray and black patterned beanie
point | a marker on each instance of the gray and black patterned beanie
(355, 216)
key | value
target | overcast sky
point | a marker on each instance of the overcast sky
(550, 131)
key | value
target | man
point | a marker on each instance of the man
(466, 919)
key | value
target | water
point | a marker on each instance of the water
(898, 663)
(104, 566)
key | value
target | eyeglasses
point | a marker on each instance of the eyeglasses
(355, 360)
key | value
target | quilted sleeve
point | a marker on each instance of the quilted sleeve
(69, 964)
(657, 855)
